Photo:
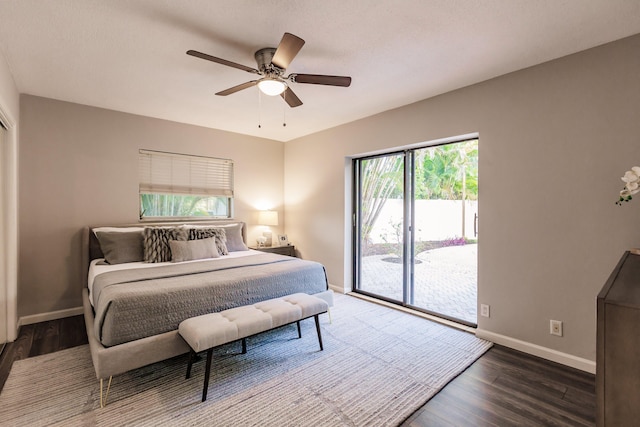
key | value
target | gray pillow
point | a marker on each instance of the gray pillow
(218, 233)
(156, 242)
(193, 249)
(121, 246)
(234, 238)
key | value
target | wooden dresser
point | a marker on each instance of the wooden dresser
(618, 346)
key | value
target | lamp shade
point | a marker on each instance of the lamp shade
(268, 218)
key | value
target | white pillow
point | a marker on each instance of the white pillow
(116, 229)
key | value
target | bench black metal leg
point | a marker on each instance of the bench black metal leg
(206, 374)
(192, 357)
(244, 345)
(299, 332)
(318, 329)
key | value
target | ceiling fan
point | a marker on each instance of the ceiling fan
(272, 64)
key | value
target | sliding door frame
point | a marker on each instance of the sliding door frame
(409, 240)
(408, 247)
(357, 222)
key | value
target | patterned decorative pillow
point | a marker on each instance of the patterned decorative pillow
(218, 233)
(156, 242)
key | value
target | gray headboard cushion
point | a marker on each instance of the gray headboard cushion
(94, 247)
(91, 247)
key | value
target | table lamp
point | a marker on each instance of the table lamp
(268, 218)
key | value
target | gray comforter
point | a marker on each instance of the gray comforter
(138, 303)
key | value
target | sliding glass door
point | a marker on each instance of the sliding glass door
(415, 228)
(381, 239)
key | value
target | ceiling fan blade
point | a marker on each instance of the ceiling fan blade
(237, 88)
(291, 98)
(319, 79)
(288, 48)
(222, 61)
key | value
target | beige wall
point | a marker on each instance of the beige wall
(9, 96)
(79, 166)
(554, 140)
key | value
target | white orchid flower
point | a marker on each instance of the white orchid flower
(632, 184)
(631, 176)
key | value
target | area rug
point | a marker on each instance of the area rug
(379, 365)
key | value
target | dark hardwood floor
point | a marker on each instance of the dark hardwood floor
(503, 388)
(509, 388)
(42, 338)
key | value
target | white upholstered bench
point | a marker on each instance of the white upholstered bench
(211, 330)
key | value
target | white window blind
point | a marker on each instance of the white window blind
(170, 173)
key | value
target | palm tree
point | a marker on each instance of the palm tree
(447, 172)
(380, 177)
(167, 205)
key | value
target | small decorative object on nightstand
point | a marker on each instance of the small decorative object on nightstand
(283, 240)
(288, 250)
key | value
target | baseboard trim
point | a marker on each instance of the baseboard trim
(52, 315)
(539, 351)
(337, 289)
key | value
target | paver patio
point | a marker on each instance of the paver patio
(445, 280)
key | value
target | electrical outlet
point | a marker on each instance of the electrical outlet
(484, 310)
(555, 327)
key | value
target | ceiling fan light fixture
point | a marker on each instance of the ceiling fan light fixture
(272, 64)
(272, 87)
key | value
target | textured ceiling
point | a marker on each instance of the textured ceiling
(129, 55)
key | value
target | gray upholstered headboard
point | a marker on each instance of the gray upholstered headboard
(91, 247)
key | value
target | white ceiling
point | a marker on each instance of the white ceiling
(129, 55)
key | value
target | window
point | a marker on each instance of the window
(183, 186)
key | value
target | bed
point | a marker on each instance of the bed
(132, 309)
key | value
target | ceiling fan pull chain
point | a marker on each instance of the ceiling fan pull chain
(284, 110)
(259, 110)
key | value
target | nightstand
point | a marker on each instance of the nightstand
(289, 250)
